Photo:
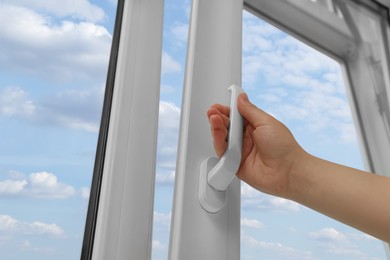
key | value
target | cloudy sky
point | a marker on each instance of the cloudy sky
(53, 65)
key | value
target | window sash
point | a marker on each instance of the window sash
(121, 206)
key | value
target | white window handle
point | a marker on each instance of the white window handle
(223, 173)
(216, 175)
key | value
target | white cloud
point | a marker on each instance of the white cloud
(329, 234)
(11, 225)
(335, 242)
(80, 109)
(7, 222)
(80, 9)
(162, 219)
(161, 226)
(14, 101)
(274, 95)
(43, 228)
(251, 223)
(283, 204)
(256, 200)
(169, 64)
(65, 51)
(76, 109)
(304, 85)
(169, 115)
(166, 88)
(37, 185)
(12, 187)
(278, 250)
(46, 185)
(32, 44)
(288, 62)
(180, 33)
(157, 245)
(165, 179)
(85, 192)
(257, 35)
(169, 120)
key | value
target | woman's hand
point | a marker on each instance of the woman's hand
(273, 162)
(269, 150)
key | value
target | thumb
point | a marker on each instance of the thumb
(250, 112)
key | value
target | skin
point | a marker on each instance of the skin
(273, 162)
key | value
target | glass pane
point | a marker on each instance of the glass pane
(304, 89)
(53, 67)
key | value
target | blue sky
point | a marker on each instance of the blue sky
(53, 64)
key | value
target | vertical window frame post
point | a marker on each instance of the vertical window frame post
(213, 64)
(121, 222)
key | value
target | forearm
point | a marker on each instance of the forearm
(354, 197)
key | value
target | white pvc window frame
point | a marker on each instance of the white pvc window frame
(213, 64)
(119, 224)
(120, 214)
(368, 82)
(193, 236)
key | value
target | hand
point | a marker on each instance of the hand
(273, 162)
(269, 150)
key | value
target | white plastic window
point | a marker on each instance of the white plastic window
(305, 90)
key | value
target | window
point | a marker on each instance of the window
(52, 91)
(304, 89)
(334, 27)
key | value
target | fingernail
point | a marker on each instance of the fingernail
(244, 97)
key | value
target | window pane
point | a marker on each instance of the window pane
(304, 89)
(53, 67)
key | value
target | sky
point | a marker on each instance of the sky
(53, 67)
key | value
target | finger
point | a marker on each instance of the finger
(250, 112)
(219, 134)
(222, 108)
(247, 141)
(215, 111)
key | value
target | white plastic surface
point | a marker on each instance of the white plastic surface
(223, 173)
(216, 175)
(213, 64)
(125, 216)
(210, 199)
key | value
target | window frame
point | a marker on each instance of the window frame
(120, 213)
(127, 139)
(332, 37)
(213, 64)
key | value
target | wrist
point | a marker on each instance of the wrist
(299, 175)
